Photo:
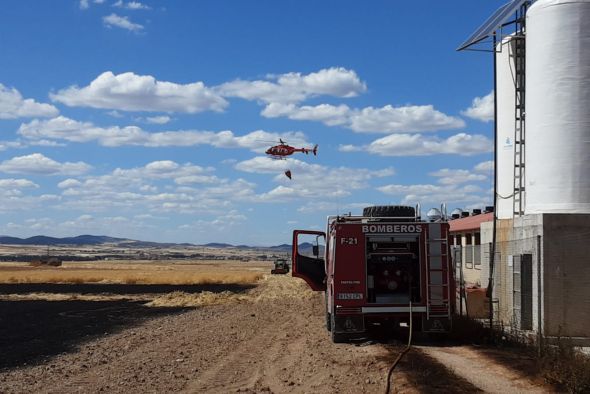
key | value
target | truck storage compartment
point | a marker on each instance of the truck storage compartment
(393, 269)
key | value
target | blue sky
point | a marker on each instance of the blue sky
(149, 120)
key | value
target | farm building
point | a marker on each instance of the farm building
(539, 255)
(466, 238)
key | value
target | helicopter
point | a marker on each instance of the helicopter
(283, 149)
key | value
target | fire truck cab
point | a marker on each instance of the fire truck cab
(383, 267)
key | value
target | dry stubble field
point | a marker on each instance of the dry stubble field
(179, 272)
(196, 327)
(170, 283)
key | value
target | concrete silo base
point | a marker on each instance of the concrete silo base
(557, 246)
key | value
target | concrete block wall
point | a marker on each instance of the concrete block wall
(566, 284)
(561, 305)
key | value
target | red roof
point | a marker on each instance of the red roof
(470, 222)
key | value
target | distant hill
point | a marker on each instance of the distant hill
(11, 240)
(79, 240)
(281, 248)
(277, 248)
(124, 242)
(218, 245)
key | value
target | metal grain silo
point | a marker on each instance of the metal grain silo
(558, 107)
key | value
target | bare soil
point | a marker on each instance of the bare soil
(270, 338)
(482, 372)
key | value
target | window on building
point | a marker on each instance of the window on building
(468, 239)
(477, 256)
(477, 251)
(468, 253)
(458, 240)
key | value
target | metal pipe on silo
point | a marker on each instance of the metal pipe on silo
(490, 289)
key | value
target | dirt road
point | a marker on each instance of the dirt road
(269, 339)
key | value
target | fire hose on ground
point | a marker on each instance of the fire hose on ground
(401, 355)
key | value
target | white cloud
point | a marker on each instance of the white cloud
(350, 148)
(132, 92)
(112, 225)
(85, 218)
(451, 189)
(230, 218)
(387, 119)
(428, 194)
(69, 183)
(122, 22)
(295, 87)
(331, 115)
(39, 164)
(17, 184)
(12, 106)
(45, 143)
(486, 167)
(158, 187)
(310, 181)
(454, 177)
(283, 93)
(265, 165)
(14, 197)
(420, 145)
(482, 108)
(166, 169)
(85, 4)
(333, 208)
(219, 225)
(115, 114)
(131, 5)
(49, 197)
(158, 119)
(62, 128)
(280, 94)
(4, 145)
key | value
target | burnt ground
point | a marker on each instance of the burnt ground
(273, 341)
(35, 330)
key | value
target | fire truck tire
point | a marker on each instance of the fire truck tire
(328, 314)
(336, 337)
(377, 211)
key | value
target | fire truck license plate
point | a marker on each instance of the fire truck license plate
(350, 296)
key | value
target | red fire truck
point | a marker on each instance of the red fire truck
(379, 268)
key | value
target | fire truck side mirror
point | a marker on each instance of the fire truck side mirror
(316, 251)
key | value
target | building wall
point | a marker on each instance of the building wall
(486, 239)
(561, 256)
(470, 256)
(503, 261)
(567, 274)
(514, 238)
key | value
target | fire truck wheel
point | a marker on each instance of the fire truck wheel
(377, 211)
(328, 314)
(336, 337)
